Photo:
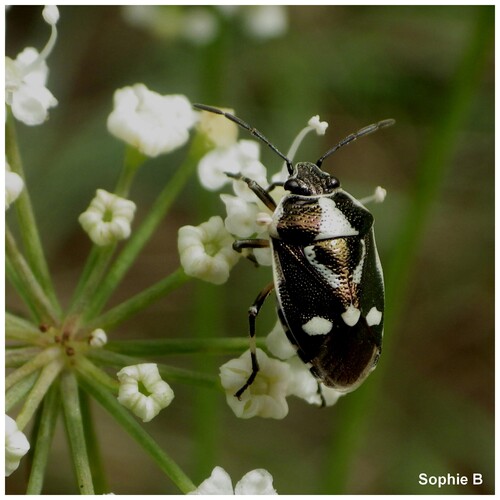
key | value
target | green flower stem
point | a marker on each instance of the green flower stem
(167, 372)
(163, 347)
(42, 385)
(134, 428)
(45, 357)
(43, 443)
(27, 222)
(92, 442)
(14, 279)
(74, 427)
(143, 233)
(90, 370)
(120, 313)
(356, 408)
(30, 283)
(19, 329)
(20, 355)
(19, 391)
(133, 160)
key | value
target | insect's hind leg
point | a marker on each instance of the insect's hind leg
(253, 311)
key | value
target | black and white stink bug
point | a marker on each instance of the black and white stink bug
(326, 270)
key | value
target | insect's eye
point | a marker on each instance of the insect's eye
(296, 187)
(332, 183)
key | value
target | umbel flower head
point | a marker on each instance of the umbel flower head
(255, 482)
(150, 122)
(26, 77)
(108, 218)
(144, 377)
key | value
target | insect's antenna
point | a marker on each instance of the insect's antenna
(352, 137)
(244, 125)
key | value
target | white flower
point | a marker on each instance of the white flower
(16, 445)
(278, 343)
(13, 186)
(241, 157)
(50, 14)
(146, 406)
(206, 251)
(108, 218)
(266, 21)
(98, 338)
(319, 127)
(218, 129)
(241, 217)
(200, 26)
(255, 482)
(26, 76)
(378, 196)
(25, 91)
(266, 397)
(152, 123)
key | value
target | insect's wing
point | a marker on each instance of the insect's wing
(330, 301)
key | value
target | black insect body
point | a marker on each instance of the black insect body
(326, 270)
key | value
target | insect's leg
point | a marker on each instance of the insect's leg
(253, 311)
(259, 191)
(240, 245)
(321, 395)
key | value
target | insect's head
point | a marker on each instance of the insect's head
(308, 179)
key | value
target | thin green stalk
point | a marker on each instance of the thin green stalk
(134, 428)
(20, 329)
(93, 449)
(32, 287)
(27, 223)
(19, 391)
(42, 359)
(356, 408)
(16, 282)
(164, 347)
(170, 373)
(88, 368)
(143, 233)
(42, 385)
(74, 427)
(132, 161)
(20, 355)
(43, 442)
(132, 306)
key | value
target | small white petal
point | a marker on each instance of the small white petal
(278, 343)
(13, 186)
(319, 127)
(218, 129)
(266, 397)
(219, 483)
(241, 217)
(16, 445)
(255, 482)
(50, 14)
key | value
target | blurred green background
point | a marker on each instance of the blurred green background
(429, 407)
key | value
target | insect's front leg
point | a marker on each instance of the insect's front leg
(240, 245)
(253, 311)
(259, 191)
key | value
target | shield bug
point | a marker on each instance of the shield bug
(326, 270)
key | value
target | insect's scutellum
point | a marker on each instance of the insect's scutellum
(326, 270)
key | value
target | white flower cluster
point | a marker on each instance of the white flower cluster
(26, 77)
(276, 380)
(255, 482)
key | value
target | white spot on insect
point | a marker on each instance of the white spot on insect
(317, 326)
(333, 223)
(351, 315)
(332, 278)
(374, 317)
(358, 271)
